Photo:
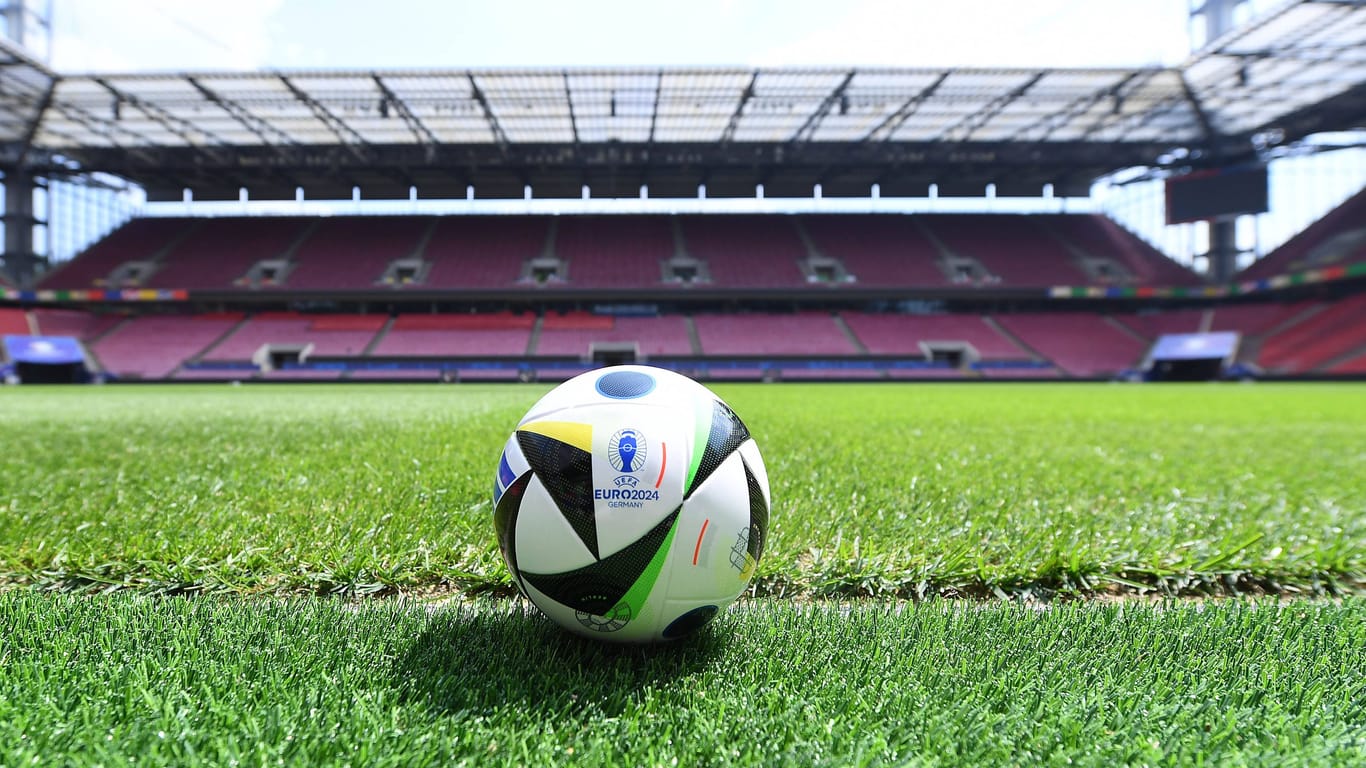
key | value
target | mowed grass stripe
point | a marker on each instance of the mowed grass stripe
(881, 490)
(171, 681)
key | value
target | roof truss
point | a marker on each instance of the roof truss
(1296, 71)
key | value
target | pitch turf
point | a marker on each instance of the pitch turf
(879, 490)
(122, 680)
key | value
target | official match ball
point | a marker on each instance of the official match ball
(631, 505)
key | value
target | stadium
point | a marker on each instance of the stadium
(1046, 486)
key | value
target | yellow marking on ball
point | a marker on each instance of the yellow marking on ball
(571, 433)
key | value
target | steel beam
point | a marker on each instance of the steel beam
(892, 122)
(813, 121)
(729, 133)
(419, 130)
(500, 136)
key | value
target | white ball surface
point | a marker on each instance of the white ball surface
(631, 505)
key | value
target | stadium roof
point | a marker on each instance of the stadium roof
(1296, 71)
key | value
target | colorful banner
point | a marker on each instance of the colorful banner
(1308, 277)
(49, 296)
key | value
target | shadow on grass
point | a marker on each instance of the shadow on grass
(481, 661)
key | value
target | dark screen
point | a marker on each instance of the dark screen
(1211, 194)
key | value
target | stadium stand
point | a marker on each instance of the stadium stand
(1354, 364)
(1098, 236)
(743, 255)
(151, 347)
(139, 240)
(1318, 339)
(85, 326)
(1081, 344)
(1306, 337)
(350, 253)
(327, 335)
(650, 336)
(620, 252)
(14, 322)
(1336, 239)
(501, 334)
(1011, 248)
(218, 253)
(483, 252)
(746, 251)
(1153, 324)
(804, 333)
(739, 252)
(887, 250)
(896, 334)
(1254, 319)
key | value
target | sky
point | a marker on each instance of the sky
(178, 35)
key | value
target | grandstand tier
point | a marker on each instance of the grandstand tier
(1012, 250)
(619, 253)
(356, 252)
(746, 297)
(644, 336)
(1154, 323)
(807, 333)
(1320, 337)
(1337, 239)
(900, 334)
(319, 335)
(500, 334)
(14, 322)
(483, 252)
(1083, 345)
(139, 242)
(217, 254)
(154, 346)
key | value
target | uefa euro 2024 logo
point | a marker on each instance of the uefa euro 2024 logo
(626, 451)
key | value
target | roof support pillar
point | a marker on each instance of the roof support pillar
(21, 261)
(1223, 250)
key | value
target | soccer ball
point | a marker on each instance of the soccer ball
(631, 505)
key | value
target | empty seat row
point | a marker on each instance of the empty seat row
(621, 252)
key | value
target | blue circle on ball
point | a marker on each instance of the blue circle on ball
(625, 385)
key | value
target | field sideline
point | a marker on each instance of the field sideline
(222, 542)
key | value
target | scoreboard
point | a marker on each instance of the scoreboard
(1217, 193)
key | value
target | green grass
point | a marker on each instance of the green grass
(880, 490)
(170, 681)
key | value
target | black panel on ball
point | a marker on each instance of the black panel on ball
(758, 514)
(690, 622)
(727, 433)
(598, 587)
(567, 473)
(505, 521)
